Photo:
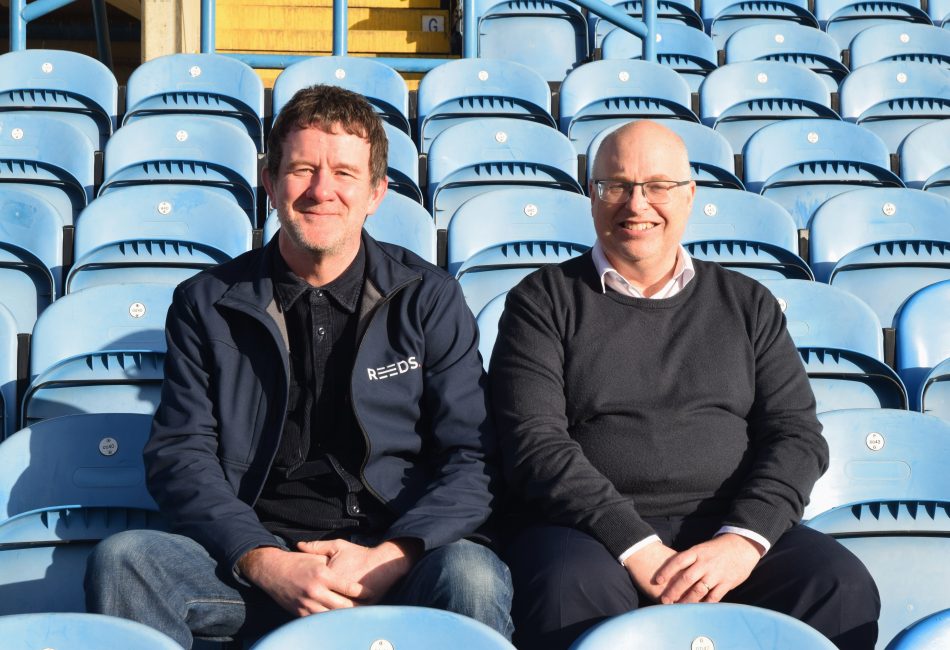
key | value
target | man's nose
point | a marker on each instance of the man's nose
(638, 200)
(321, 186)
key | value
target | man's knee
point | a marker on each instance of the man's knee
(471, 569)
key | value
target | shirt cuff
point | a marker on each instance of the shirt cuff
(748, 534)
(636, 547)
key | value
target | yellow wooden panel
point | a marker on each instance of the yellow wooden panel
(393, 4)
(357, 19)
(303, 41)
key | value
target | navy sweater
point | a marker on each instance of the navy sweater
(612, 408)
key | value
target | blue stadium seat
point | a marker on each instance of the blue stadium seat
(687, 50)
(498, 237)
(65, 484)
(50, 156)
(476, 156)
(800, 164)
(739, 98)
(549, 36)
(939, 12)
(8, 372)
(382, 86)
(198, 84)
(79, 631)
(487, 321)
(31, 254)
(477, 89)
(667, 11)
(904, 544)
(841, 344)
(892, 98)
(76, 87)
(844, 19)
(188, 150)
(744, 232)
(931, 631)
(607, 93)
(402, 164)
(401, 221)
(99, 350)
(397, 220)
(384, 626)
(923, 336)
(723, 18)
(935, 391)
(711, 159)
(881, 455)
(702, 625)
(882, 245)
(923, 165)
(901, 42)
(155, 233)
(792, 43)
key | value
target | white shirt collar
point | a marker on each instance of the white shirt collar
(610, 277)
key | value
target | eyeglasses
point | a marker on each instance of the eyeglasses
(655, 192)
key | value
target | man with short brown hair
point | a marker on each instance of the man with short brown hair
(322, 440)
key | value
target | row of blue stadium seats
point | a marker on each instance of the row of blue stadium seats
(386, 626)
(102, 349)
(217, 86)
(67, 482)
(168, 232)
(784, 152)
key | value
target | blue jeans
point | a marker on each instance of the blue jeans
(170, 583)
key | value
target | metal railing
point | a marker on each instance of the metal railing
(22, 12)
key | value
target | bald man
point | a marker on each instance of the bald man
(658, 428)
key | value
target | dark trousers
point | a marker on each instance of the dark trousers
(566, 581)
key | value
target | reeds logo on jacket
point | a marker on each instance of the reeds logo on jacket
(398, 368)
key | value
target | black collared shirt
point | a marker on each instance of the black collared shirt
(312, 490)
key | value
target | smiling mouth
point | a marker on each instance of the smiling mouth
(637, 227)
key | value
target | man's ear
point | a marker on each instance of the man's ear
(268, 185)
(376, 195)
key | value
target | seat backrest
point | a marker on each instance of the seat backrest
(779, 37)
(900, 40)
(922, 165)
(881, 454)
(183, 149)
(487, 320)
(710, 154)
(721, 214)
(672, 38)
(712, 9)
(662, 90)
(826, 10)
(207, 83)
(80, 631)
(78, 86)
(382, 86)
(92, 460)
(820, 316)
(31, 235)
(931, 631)
(855, 219)
(516, 217)
(549, 36)
(8, 372)
(746, 82)
(400, 220)
(156, 226)
(402, 163)
(923, 336)
(720, 625)
(51, 156)
(877, 86)
(478, 88)
(124, 317)
(808, 143)
(475, 154)
(389, 626)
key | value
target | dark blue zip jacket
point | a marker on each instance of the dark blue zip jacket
(417, 389)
